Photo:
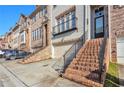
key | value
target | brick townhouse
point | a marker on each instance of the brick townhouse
(103, 35)
(80, 39)
(15, 37)
(84, 37)
(9, 39)
(24, 34)
(32, 33)
(40, 34)
(2, 43)
(68, 26)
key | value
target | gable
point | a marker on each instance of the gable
(22, 19)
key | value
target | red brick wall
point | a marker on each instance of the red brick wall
(117, 27)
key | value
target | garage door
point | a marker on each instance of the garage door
(120, 50)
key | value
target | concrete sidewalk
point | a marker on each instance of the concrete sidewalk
(40, 74)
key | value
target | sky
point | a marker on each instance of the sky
(9, 15)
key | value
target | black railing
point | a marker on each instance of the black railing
(71, 53)
(65, 26)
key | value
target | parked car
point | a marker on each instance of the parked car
(15, 54)
(1, 54)
(21, 54)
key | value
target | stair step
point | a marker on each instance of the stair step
(84, 68)
(83, 80)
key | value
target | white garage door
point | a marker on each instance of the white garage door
(120, 50)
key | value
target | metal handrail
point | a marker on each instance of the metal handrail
(70, 48)
(76, 49)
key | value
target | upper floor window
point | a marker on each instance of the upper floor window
(73, 23)
(37, 15)
(37, 33)
(23, 37)
(34, 19)
(65, 23)
(62, 25)
(44, 10)
(15, 41)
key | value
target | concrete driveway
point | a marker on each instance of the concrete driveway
(40, 74)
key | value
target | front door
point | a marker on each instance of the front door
(99, 22)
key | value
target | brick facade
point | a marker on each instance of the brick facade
(24, 29)
(41, 47)
(117, 27)
(62, 42)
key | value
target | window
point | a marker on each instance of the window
(44, 10)
(34, 19)
(41, 30)
(37, 15)
(62, 24)
(23, 37)
(32, 35)
(40, 34)
(58, 22)
(65, 23)
(25, 24)
(73, 24)
(99, 22)
(36, 34)
(40, 13)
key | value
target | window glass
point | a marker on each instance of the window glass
(41, 30)
(32, 36)
(99, 25)
(67, 21)
(73, 20)
(62, 24)
(44, 10)
(99, 21)
(58, 26)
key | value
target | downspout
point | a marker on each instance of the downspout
(109, 29)
(84, 21)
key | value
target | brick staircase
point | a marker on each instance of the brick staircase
(42, 54)
(84, 68)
